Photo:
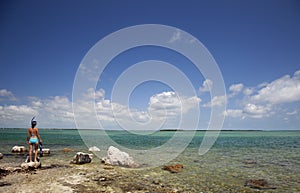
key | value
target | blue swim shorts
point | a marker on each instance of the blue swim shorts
(33, 140)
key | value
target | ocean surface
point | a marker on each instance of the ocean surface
(236, 156)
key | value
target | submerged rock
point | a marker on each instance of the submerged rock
(1, 155)
(66, 150)
(175, 168)
(259, 184)
(18, 149)
(82, 158)
(249, 161)
(94, 148)
(119, 158)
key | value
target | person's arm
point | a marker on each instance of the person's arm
(38, 135)
(28, 136)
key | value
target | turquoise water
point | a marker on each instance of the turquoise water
(273, 155)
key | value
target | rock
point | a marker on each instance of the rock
(82, 158)
(66, 150)
(119, 158)
(175, 168)
(31, 165)
(94, 148)
(19, 149)
(1, 155)
(259, 184)
(45, 151)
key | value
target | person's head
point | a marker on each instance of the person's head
(33, 124)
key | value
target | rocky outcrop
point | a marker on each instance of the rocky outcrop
(18, 149)
(1, 155)
(82, 158)
(260, 184)
(175, 168)
(119, 158)
(94, 148)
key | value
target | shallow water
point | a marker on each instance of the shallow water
(236, 156)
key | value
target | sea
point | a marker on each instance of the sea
(235, 158)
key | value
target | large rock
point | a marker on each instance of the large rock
(175, 168)
(19, 149)
(1, 155)
(94, 148)
(31, 165)
(82, 158)
(119, 158)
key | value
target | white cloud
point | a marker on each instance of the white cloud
(283, 90)
(256, 111)
(234, 113)
(217, 101)
(7, 95)
(235, 89)
(206, 86)
(248, 91)
(175, 37)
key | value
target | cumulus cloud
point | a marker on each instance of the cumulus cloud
(168, 103)
(262, 101)
(206, 86)
(217, 101)
(57, 110)
(283, 90)
(7, 95)
(235, 89)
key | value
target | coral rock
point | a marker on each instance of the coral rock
(82, 158)
(119, 158)
(175, 168)
(19, 149)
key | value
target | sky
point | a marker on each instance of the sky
(44, 46)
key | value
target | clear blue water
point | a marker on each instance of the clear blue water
(276, 155)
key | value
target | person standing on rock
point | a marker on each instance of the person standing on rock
(33, 139)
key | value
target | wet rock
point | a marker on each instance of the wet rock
(45, 151)
(175, 168)
(259, 184)
(94, 148)
(27, 165)
(82, 158)
(18, 149)
(66, 150)
(119, 158)
(1, 155)
(31, 165)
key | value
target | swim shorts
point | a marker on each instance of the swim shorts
(33, 140)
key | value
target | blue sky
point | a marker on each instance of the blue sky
(256, 45)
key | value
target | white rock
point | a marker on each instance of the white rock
(30, 165)
(82, 158)
(119, 158)
(45, 151)
(19, 149)
(94, 148)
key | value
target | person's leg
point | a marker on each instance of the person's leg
(30, 152)
(36, 151)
